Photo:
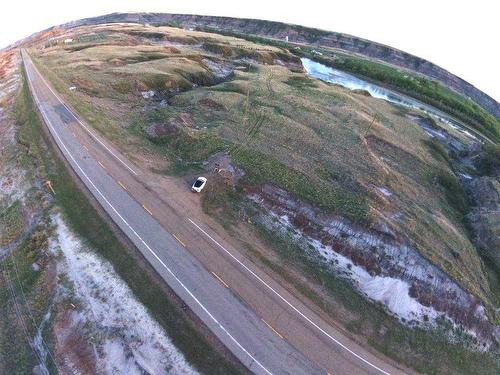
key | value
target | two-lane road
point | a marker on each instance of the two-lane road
(266, 327)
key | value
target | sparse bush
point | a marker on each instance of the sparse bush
(218, 48)
(437, 150)
(123, 86)
(454, 193)
(301, 82)
(489, 163)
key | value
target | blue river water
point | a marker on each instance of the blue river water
(335, 76)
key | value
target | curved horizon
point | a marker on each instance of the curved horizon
(442, 44)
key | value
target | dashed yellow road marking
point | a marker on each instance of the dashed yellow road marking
(272, 329)
(219, 278)
(147, 209)
(178, 240)
(123, 186)
(102, 165)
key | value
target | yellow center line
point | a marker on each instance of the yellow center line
(178, 240)
(272, 329)
(123, 186)
(147, 209)
(85, 147)
(219, 278)
(102, 165)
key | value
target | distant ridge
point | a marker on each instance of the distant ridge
(312, 36)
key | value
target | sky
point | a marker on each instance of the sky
(460, 36)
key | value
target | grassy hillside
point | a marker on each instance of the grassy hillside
(419, 87)
(280, 127)
(162, 94)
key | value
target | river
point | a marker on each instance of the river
(335, 76)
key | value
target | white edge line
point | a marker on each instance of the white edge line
(143, 242)
(80, 122)
(288, 303)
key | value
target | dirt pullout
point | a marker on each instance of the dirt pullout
(378, 263)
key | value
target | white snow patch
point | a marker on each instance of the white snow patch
(466, 176)
(148, 94)
(221, 71)
(384, 191)
(393, 293)
(429, 133)
(132, 342)
(41, 347)
(433, 133)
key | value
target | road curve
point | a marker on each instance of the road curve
(267, 328)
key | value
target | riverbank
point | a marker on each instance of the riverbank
(339, 77)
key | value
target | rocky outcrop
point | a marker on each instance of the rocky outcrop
(481, 183)
(383, 255)
(484, 217)
(485, 192)
(478, 169)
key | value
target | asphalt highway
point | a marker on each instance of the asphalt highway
(269, 329)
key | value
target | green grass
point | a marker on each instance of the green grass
(261, 169)
(31, 296)
(454, 192)
(437, 149)
(11, 223)
(21, 285)
(301, 83)
(88, 224)
(190, 149)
